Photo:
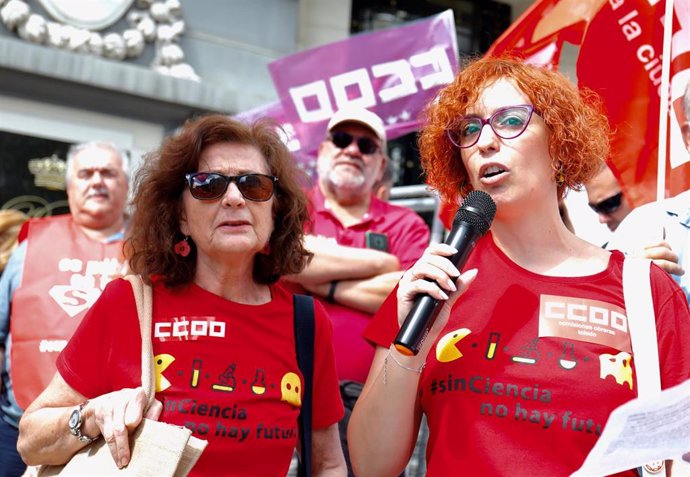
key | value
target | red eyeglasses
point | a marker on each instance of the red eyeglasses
(507, 123)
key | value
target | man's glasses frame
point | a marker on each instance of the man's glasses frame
(608, 206)
(212, 185)
(458, 132)
(341, 140)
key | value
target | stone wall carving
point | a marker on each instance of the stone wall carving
(158, 23)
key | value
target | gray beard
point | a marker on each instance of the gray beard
(353, 184)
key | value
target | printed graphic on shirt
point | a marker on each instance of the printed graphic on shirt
(447, 347)
(617, 366)
(186, 328)
(201, 380)
(226, 381)
(290, 387)
(567, 360)
(514, 397)
(85, 283)
(529, 354)
(581, 319)
(259, 383)
(160, 364)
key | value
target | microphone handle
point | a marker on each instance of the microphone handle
(425, 308)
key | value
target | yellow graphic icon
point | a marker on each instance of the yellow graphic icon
(160, 364)
(196, 373)
(228, 382)
(259, 384)
(618, 366)
(446, 349)
(290, 389)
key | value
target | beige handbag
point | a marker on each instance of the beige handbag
(158, 449)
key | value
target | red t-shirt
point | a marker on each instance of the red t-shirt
(408, 237)
(500, 399)
(226, 370)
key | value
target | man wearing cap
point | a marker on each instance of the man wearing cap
(360, 243)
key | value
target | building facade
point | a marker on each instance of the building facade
(131, 71)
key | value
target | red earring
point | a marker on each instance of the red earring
(182, 247)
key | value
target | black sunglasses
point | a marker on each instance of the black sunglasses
(342, 139)
(212, 185)
(608, 206)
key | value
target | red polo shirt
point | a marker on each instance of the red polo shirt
(408, 237)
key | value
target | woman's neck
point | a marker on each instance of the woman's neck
(542, 244)
(232, 279)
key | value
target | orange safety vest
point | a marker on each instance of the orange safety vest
(64, 274)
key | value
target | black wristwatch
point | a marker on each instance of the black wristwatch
(75, 423)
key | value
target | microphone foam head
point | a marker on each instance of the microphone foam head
(478, 209)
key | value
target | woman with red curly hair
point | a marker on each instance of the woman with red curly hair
(530, 352)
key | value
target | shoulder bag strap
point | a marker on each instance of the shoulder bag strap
(144, 301)
(304, 343)
(639, 309)
(637, 292)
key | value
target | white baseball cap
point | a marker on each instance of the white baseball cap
(350, 114)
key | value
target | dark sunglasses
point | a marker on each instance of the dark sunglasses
(507, 123)
(365, 144)
(608, 206)
(211, 185)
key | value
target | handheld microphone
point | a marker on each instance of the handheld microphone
(471, 222)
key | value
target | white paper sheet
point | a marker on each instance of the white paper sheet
(641, 431)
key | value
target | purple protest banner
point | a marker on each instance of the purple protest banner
(393, 72)
(286, 130)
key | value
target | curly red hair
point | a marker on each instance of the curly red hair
(578, 129)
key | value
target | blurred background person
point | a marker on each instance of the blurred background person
(218, 219)
(360, 242)
(382, 189)
(54, 276)
(606, 198)
(11, 222)
(659, 231)
(497, 353)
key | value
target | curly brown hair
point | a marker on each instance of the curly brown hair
(154, 228)
(578, 129)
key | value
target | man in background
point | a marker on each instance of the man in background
(360, 243)
(53, 277)
(659, 231)
(606, 198)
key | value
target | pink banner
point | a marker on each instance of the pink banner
(393, 72)
(274, 110)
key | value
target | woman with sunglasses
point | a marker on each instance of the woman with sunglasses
(530, 352)
(218, 219)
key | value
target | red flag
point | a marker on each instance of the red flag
(621, 59)
(538, 34)
(678, 160)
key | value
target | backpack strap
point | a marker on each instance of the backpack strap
(304, 344)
